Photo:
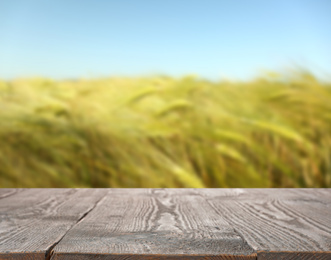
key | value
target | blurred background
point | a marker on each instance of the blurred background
(165, 93)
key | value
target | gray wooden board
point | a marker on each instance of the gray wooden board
(165, 224)
(34, 220)
(278, 223)
(80, 256)
(153, 224)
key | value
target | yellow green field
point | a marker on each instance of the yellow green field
(166, 132)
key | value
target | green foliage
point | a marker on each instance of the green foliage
(163, 132)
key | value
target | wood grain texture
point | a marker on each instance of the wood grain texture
(278, 223)
(75, 256)
(8, 192)
(34, 220)
(150, 224)
(153, 224)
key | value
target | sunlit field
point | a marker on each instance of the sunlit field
(274, 131)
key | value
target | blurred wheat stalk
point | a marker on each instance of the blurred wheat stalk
(165, 132)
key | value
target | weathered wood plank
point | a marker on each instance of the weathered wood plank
(86, 256)
(152, 224)
(278, 223)
(34, 220)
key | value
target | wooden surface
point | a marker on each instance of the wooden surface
(165, 224)
(278, 223)
(33, 221)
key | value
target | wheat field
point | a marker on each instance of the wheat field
(158, 131)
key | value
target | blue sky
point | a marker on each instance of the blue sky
(210, 38)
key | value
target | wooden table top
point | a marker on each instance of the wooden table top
(165, 224)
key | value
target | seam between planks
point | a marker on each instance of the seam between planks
(261, 254)
(49, 251)
(235, 230)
